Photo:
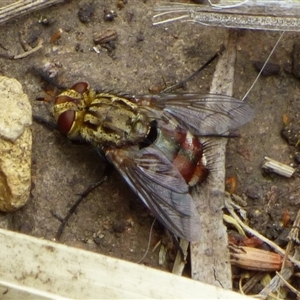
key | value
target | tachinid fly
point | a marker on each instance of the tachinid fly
(153, 141)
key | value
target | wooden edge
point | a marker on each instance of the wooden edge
(40, 269)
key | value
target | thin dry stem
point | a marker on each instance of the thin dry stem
(288, 285)
(255, 233)
(20, 8)
(31, 51)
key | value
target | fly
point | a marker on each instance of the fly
(153, 141)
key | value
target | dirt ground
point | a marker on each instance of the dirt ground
(112, 220)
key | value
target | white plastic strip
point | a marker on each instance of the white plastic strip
(33, 268)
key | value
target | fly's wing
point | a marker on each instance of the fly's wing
(201, 114)
(161, 187)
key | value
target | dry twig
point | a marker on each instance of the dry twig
(20, 8)
(276, 281)
(210, 257)
(288, 285)
(274, 166)
(31, 51)
(255, 233)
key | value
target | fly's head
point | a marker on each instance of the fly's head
(69, 109)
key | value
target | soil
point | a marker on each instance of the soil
(112, 220)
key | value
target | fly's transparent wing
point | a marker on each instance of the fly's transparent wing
(201, 114)
(161, 187)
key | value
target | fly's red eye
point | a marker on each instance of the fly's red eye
(80, 87)
(65, 121)
(63, 99)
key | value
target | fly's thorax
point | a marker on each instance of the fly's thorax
(114, 121)
(103, 119)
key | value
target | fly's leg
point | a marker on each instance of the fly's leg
(107, 170)
(52, 126)
(64, 221)
(184, 81)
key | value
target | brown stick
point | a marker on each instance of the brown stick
(210, 257)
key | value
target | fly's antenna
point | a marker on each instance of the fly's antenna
(264, 65)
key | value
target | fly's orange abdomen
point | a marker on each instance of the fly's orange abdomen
(190, 159)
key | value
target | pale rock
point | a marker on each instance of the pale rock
(15, 145)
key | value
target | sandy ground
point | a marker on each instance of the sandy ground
(112, 220)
